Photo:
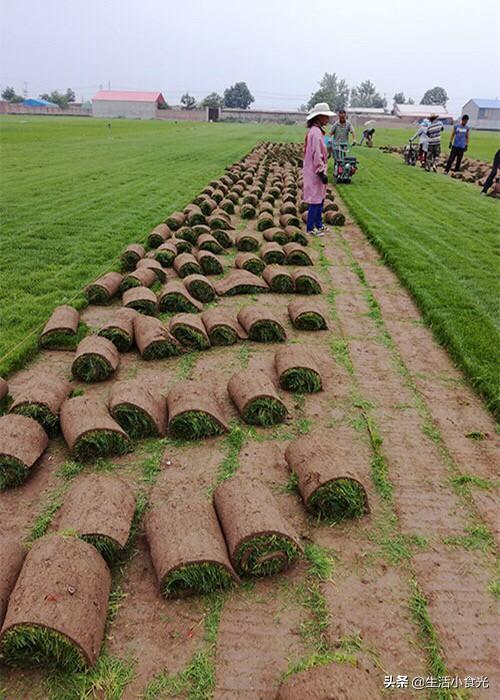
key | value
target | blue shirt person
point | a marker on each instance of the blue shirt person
(459, 142)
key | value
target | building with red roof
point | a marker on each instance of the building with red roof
(126, 103)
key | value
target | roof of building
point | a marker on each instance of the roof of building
(421, 110)
(486, 104)
(129, 96)
(32, 102)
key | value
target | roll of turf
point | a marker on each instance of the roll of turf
(175, 220)
(297, 370)
(207, 205)
(223, 237)
(187, 233)
(306, 282)
(190, 331)
(296, 254)
(261, 324)
(272, 253)
(155, 266)
(159, 235)
(279, 279)
(220, 220)
(12, 555)
(255, 396)
(131, 256)
(289, 220)
(265, 221)
(120, 329)
(181, 245)
(194, 215)
(275, 234)
(140, 408)
(334, 218)
(222, 327)
(61, 328)
(200, 288)
(208, 242)
(295, 235)
(227, 205)
(194, 412)
(247, 241)
(140, 277)
(95, 360)
(186, 264)
(41, 398)
(174, 297)
(307, 315)
(240, 282)
(104, 288)
(153, 340)
(165, 254)
(250, 262)
(209, 263)
(22, 442)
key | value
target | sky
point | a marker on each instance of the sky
(281, 48)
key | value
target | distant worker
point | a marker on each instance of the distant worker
(434, 137)
(423, 142)
(492, 177)
(459, 143)
(315, 167)
(341, 129)
(368, 136)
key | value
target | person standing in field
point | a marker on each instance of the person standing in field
(423, 142)
(459, 143)
(433, 133)
(340, 131)
(493, 174)
(315, 166)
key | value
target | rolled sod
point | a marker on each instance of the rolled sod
(131, 256)
(247, 241)
(186, 543)
(194, 215)
(288, 208)
(200, 229)
(153, 340)
(99, 508)
(297, 370)
(252, 199)
(141, 299)
(141, 410)
(279, 279)
(250, 262)
(186, 264)
(240, 282)
(306, 282)
(219, 219)
(266, 208)
(140, 277)
(175, 220)
(187, 234)
(155, 266)
(181, 245)
(260, 541)
(231, 197)
(61, 327)
(255, 396)
(275, 234)
(104, 288)
(330, 472)
(57, 611)
(247, 211)
(208, 242)
(295, 235)
(194, 412)
(333, 680)
(227, 205)
(190, 331)
(261, 324)
(12, 555)
(264, 221)
(334, 218)
(223, 237)
(41, 398)
(296, 254)
(209, 263)
(222, 327)
(207, 205)
(159, 235)
(218, 195)
(330, 206)
(95, 360)
(272, 253)
(165, 254)
(289, 220)
(90, 432)
(22, 443)
(200, 288)
(120, 329)
(174, 297)
(307, 315)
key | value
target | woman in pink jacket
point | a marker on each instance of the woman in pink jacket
(315, 167)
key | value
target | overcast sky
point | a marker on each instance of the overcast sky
(281, 48)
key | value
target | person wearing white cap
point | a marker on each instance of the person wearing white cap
(433, 132)
(315, 166)
(423, 141)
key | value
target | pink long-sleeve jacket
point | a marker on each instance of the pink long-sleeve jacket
(315, 161)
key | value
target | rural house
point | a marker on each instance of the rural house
(415, 113)
(484, 114)
(122, 103)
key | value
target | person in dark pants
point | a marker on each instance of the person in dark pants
(459, 142)
(493, 173)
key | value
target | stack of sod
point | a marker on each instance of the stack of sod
(120, 329)
(155, 266)
(250, 262)
(265, 221)
(247, 241)
(159, 235)
(90, 432)
(11, 559)
(296, 369)
(279, 279)
(255, 396)
(99, 508)
(181, 245)
(296, 254)
(208, 242)
(165, 254)
(190, 331)
(331, 471)
(223, 237)
(186, 233)
(175, 220)
(240, 282)
(261, 324)
(275, 234)
(140, 409)
(295, 235)
(153, 340)
(194, 215)
(175, 297)
(61, 328)
(222, 327)
(200, 288)
(220, 220)
(272, 253)
(131, 256)
(141, 299)
(186, 543)
(306, 282)
(186, 264)
(141, 277)
(194, 412)
(260, 541)
(334, 218)
(96, 358)
(57, 611)
(334, 680)
(209, 263)
(104, 288)
(289, 220)
(41, 398)
(22, 443)
(307, 315)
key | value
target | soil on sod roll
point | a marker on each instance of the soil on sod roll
(250, 262)
(261, 324)
(96, 358)
(120, 329)
(57, 610)
(186, 543)
(209, 263)
(99, 508)
(165, 254)
(297, 370)
(275, 234)
(200, 288)
(12, 555)
(186, 264)
(41, 398)
(247, 241)
(296, 254)
(131, 256)
(175, 297)
(207, 242)
(272, 253)
(155, 266)
(104, 288)
(240, 282)
(307, 315)
(141, 277)
(175, 220)
(140, 409)
(279, 279)
(153, 339)
(339, 681)
(306, 282)
(260, 541)
(61, 326)
(190, 331)
(255, 396)
(140, 299)
(223, 237)
(159, 235)
(222, 327)
(330, 474)
(194, 412)
(22, 443)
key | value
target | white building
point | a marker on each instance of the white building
(415, 113)
(483, 114)
(122, 103)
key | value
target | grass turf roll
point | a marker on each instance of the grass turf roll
(222, 237)
(141, 277)
(194, 215)
(140, 299)
(297, 370)
(12, 553)
(200, 288)
(190, 331)
(264, 221)
(334, 218)
(247, 211)
(255, 396)
(209, 263)
(208, 242)
(306, 282)
(222, 327)
(250, 262)
(139, 408)
(174, 297)
(289, 220)
(175, 220)
(296, 254)
(240, 282)
(165, 254)
(247, 241)
(181, 245)
(272, 253)
(159, 235)
(307, 315)
(276, 234)
(227, 205)
(207, 205)
(186, 264)
(104, 288)
(131, 256)
(295, 235)
(120, 329)
(194, 412)
(279, 279)
(22, 443)
(220, 220)
(187, 234)
(153, 340)
(155, 266)
(261, 324)
(41, 398)
(61, 328)
(95, 360)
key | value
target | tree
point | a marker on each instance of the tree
(331, 90)
(59, 98)
(9, 94)
(188, 101)
(366, 95)
(302, 108)
(411, 101)
(435, 96)
(212, 100)
(399, 98)
(238, 96)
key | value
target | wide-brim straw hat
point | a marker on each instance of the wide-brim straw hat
(320, 109)
(433, 115)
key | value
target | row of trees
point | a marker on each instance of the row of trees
(237, 96)
(62, 99)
